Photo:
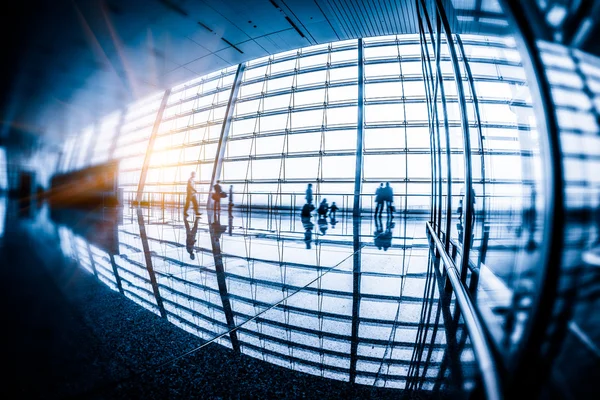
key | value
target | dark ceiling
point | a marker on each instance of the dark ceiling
(69, 62)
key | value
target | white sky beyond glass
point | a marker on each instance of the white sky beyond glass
(295, 122)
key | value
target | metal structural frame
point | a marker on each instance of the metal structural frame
(218, 162)
(150, 147)
(360, 132)
(469, 195)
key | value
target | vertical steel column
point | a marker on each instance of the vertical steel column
(431, 109)
(360, 131)
(225, 128)
(440, 84)
(150, 146)
(356, 275)
(478, 120)
(464, 122)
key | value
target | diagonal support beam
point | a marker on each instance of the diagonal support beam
(225, 128)
(150, 146)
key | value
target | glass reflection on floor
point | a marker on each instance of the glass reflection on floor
(351, 300)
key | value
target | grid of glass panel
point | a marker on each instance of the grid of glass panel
(295, 122)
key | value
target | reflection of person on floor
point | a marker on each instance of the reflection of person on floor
(332, 210)
(322, 221)
(217, 229)
(333, 222)
(378, 226)
(309, 194)
(191, 195)
(307, 210)
(190, 237)
(308, 228)
(383, 239)
(323, 208)
(217, 195)
(379, 200)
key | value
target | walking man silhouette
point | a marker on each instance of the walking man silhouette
(191, 195)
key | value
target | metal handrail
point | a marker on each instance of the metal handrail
(481, 346)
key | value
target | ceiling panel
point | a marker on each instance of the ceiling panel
(79, 50)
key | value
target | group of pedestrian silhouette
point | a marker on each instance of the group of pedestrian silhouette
(384, 198)
(324, 210)
(217, 195)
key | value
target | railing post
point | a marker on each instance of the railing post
(150, 146)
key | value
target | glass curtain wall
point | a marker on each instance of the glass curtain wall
(295, 123)
(188, 135)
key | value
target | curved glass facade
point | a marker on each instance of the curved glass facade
(295, 122)
(456, 123)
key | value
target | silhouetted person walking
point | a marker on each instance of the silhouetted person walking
(309, 194)
(332, 210)
(388, 198)
(307, 210)
(379, 200)
(323, 208)
(191, 195)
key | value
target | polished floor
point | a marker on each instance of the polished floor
(146, 303)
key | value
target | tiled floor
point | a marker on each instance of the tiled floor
(354, 305)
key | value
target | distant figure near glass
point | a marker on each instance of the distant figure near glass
(461, 214)
(307, 209)
(190, 237)
(388, 198)
(191, 195)
(379, 194)
(332, 210)
(323, 208)
(217, 195)
(309, 194)
(230, 205)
